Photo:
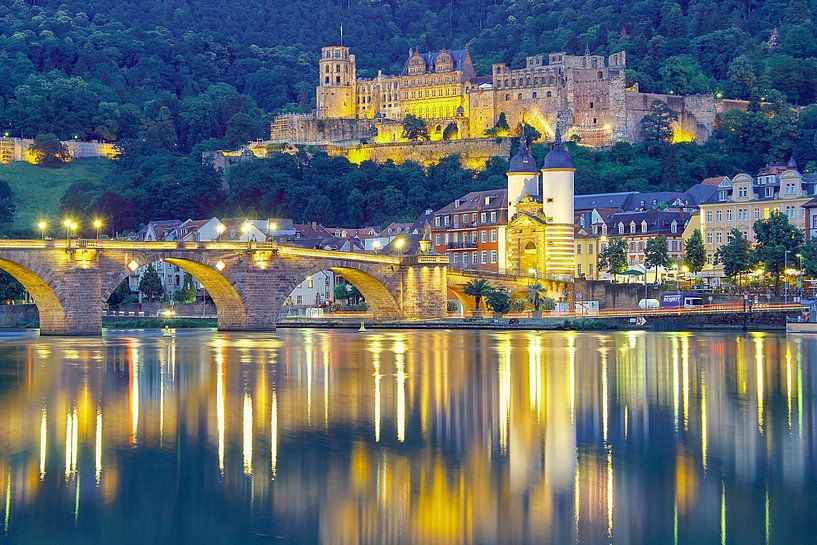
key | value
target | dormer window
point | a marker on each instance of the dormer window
(723, 195)
(643, 226)
(620, 228)
(743, 191)
(674, 226)
(632, 227)
(769, 192)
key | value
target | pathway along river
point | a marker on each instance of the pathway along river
(415, 437)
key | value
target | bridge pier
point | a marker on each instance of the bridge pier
(425, 289)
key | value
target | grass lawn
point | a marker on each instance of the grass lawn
(38, 190)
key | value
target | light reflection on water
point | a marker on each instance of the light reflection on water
(416, 437)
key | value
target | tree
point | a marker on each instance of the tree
(47, 150)
(122, 295)
(535, 293)
(735, 254)
(613, 258)
(451, 131)
(187, 292)
(499, 300)
(695, 252)
(7, 206)
(776, 239)
(656, 126)
(414, 128)
(477, 288)
(346, 292)
(682, 75)
(151, 285)
(656, 254)
(500, 128)
(10, 289)
(808, 255)
(159, 131)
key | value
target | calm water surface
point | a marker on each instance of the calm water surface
(411, 437)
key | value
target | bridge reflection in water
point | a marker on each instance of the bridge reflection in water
(408, 437)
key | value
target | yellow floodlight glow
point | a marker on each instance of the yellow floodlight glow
(246, 227)
(273, 226)
(220, 228)
(400, 243)
(67, 223)
(42, 225)
(97, 223)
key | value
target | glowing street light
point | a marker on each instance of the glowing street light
(69, 226)
(42, 225)
(399, 243)
(220, 229)
(97, 225)
(246, 230)
(376, 246)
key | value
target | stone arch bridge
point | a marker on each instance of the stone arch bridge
(70, 281)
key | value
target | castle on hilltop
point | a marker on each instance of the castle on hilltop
(583, 95)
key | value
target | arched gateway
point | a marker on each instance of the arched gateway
(248, 282)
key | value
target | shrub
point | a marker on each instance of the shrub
(452, 306)
(519, 305)
(499, 300)
(547, 303)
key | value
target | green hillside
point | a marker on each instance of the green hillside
(38, 190)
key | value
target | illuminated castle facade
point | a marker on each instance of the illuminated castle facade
(584, 95)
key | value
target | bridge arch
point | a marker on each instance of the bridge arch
(42, 291)
(380, 294)
(229, 303)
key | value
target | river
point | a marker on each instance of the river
(408, 437)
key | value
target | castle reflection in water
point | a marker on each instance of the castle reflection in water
(416, 437)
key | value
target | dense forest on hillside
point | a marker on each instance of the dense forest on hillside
(173, 78)
(111, 69)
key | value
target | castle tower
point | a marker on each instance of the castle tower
(557, 204)
(336, 87)
(523, 176)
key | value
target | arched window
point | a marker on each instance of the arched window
(632, 227)
(620, 228)
(507, 96)
(549, 94)
(519, 97)
(643, 226)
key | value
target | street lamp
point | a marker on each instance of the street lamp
(246, 230)
(97, 225)
(399, 243)
(67, 224)
(220, 230)
(376, 246)
(786, 276)
(42, 225)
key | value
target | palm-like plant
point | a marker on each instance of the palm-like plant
(478, 289)
(535, 293)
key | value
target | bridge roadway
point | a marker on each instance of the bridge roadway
(69, 280)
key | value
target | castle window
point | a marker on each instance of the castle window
(326, 80)
(591, 105)
(520, 96)
(594, 63)
(601, 75)
(551, 80)
(513, 83)
(506, 83)
(549, 94)
(594, 121)
(534, 94)
(528, 81)
(507, 97)
(337, 68)
(327, 69)
(337, 79)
